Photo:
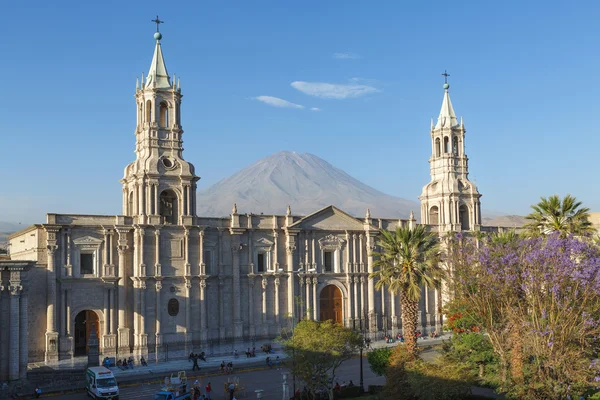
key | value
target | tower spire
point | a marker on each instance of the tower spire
(447, 117)
(158, 77)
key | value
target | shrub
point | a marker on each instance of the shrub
(379, 360)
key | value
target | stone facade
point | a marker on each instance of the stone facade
(160, 279)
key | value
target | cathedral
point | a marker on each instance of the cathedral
(158, 279)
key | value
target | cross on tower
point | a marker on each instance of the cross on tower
(157, 22)
(445, 74)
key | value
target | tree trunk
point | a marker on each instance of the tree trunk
(410, 311)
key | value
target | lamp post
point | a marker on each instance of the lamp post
(362, 387)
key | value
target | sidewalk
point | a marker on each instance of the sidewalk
(72, 371)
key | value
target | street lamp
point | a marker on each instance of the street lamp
(362, 387)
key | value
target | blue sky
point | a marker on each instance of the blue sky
(524, 75)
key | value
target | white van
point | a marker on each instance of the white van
(101, 384)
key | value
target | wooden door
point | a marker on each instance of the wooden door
(331, 304)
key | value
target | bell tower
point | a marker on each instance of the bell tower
(449, 200)
(159, 187)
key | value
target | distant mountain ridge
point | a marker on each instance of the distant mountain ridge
(305, 182)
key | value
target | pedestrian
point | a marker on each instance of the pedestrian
(195, 361)
(38, 392)
(208, 389)
(222, 366)
(231, 390)
(278, 362)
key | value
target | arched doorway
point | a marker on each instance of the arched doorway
(83, 328)
(331, 304)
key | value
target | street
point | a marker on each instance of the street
(268, 380)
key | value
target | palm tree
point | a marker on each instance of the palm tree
(408, 260)
(565, 217)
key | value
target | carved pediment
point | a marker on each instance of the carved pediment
(331, 242)
(263, 242)
(87, 242)
(330, 218)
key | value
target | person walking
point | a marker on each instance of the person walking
(231, 390)
(208, 389)
(195, 361)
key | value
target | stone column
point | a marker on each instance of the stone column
(363, 315)
(63, 314)
(158, 336)
(69, 300)
(349, 322)
(221, 308)
(308, 296)
(315, 300)
(251, 305)
(123, 330)
(14, 360)
(143, 312)
(356, 281)
(51, 332)
(157, 266)
(306, 259)
(312, 249)
(202, 266)
(69, 267)
(393, 312)
(301, 304)
(290, 281)
(188, 316)
(360, 254)
(105, 328)
(111, 253)
(186, 245)
(113, 310)
(265, 328)
(24, 329)
(354, 261)
(384, 324)
(427, 324)
(250, 261)
(156, 200)
(203, 312)
(105, 270)
(237, 293)
(276, 301)
(371, 286)
(437, 313)
(142, 269)
(275, 251)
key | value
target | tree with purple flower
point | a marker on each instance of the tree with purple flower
(538, 301)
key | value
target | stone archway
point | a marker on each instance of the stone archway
(84, 321)
(331, 304)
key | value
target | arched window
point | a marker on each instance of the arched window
(169, 207)
(455, 146)
(434, 215)
(437, 147)
(446, 145)
(463, 215)
(148, 111)
(164, 115)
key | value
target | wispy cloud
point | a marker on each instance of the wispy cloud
(277, 102)
(345, 56)
(333, 90)
(315, 109)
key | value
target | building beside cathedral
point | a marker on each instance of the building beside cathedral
(158, 278)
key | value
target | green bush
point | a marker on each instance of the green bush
(374, 389)
(379, 360)
(350, 392)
